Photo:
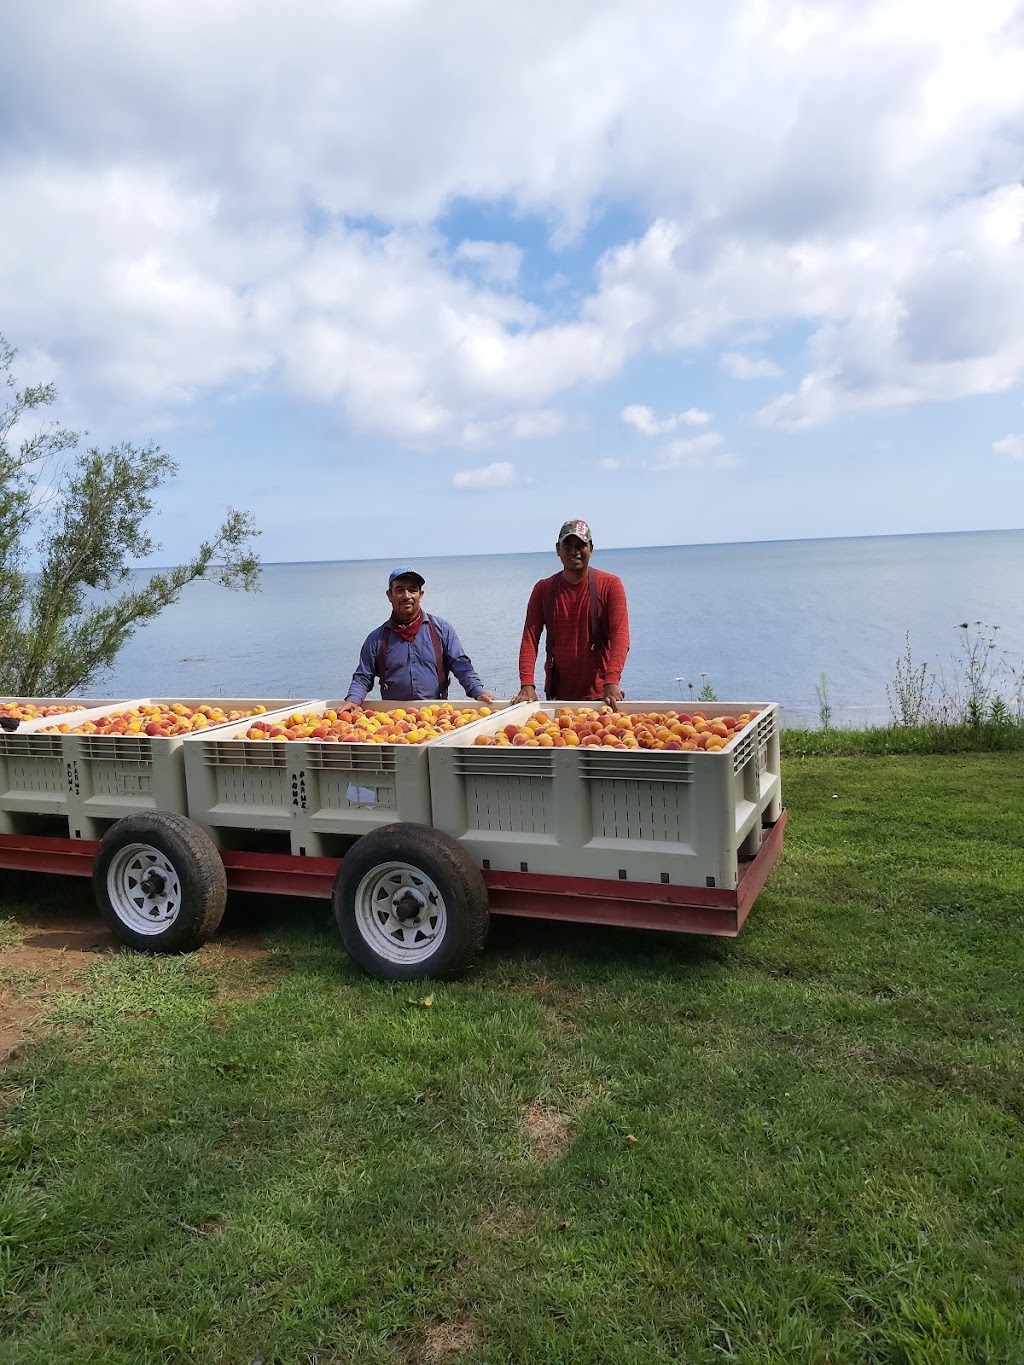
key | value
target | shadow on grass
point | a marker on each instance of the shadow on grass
(300, 935)
(570, 948)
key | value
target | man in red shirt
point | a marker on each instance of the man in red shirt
(583, 613)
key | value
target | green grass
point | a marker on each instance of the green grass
(880, 740)
(10, 932)
(804, 1145)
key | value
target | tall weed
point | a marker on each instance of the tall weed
(910, 693)
(982, 681)
(824, 702)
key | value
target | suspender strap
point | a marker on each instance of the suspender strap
(442, 672)
(595, 629)
(435, 635)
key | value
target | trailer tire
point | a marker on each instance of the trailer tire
(159, 883)
(409, 904)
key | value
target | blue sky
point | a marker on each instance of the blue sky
(420, 278)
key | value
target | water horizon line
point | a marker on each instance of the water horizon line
(625, 549)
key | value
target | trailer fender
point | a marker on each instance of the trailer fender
(159, 882)
(409, 903)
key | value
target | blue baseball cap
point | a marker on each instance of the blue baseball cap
(406, 572)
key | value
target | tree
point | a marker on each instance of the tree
(78, 518)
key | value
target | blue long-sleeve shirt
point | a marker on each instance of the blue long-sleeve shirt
(410, 668)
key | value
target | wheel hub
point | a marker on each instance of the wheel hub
(409, 905)
(153, 883)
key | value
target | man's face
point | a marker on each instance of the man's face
(405, 595)
(574, 553)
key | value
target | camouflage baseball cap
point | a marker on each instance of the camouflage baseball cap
(575, 528)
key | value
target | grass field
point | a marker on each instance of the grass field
(804, 1145)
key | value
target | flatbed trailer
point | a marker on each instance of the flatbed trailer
(717, 912)
(680, 843)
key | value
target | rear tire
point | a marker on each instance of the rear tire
(159, 883)
(410, 904)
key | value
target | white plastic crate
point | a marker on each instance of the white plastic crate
(33, 775)
(318, 794)
(637, 815)
(85, 703)
(91, 780)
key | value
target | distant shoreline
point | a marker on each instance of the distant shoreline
(618, 549)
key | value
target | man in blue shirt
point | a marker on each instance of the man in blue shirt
(412, 653)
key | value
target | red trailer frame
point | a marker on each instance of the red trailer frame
(635, 905)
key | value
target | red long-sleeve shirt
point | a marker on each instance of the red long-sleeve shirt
(582, 672)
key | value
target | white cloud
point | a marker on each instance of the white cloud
(499, 475)
(183, 199)
(740, 366)
(685, 454)
(499, 262)
(643, 419)
(538, 424)
(937, 313)
(1010, 445)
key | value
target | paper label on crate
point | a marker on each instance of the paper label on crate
(361, 796)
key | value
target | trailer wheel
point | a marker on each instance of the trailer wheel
(410, 904)
(159, 883)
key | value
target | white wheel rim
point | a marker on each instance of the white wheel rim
(144, 888)
(400, 913)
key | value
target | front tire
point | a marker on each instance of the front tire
(159, 883)
(410, 904)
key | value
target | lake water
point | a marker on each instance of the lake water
(762, 621)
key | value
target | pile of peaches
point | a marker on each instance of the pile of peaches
(26, 710)
(607, 729)
(405, 725)
(154, 719)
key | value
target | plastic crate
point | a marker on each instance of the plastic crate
(33, 776)
(83, 783)
(678, 818)
(86, 703)
(320, 795)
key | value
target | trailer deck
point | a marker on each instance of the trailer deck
(717, 911)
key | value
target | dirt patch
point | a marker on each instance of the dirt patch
(443, 1341)
(56, 948)
(546, 1130)
(505, 1224)
(53, 950)
(559, 1022)
(16, 1017)
(236, 968)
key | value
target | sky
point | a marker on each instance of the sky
(411, 278)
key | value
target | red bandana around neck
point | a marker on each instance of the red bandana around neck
(407, 632)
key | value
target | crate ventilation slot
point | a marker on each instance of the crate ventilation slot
(30, 746)
(495, 763)
(656, 766)
(351, 758)
(744, 751)
(120, 748)
(244, 754)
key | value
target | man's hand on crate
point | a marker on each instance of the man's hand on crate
(613, 694)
